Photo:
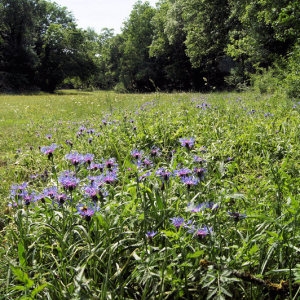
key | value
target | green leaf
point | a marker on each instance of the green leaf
(169, 233)
(253, 249)
(22, 276)
(195, 254)
(38, 289)
(102, 221)
(21, 254)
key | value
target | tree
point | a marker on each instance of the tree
(40, 45)
(18, 58)
(136, 67)
(265, 30)
(206, 26)
(175, 70)
(66, 53)
(108, 59)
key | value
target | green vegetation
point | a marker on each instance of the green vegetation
(182, 45)
(151, 196)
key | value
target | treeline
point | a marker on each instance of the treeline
(198, 45)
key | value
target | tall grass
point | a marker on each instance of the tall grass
(158, 196)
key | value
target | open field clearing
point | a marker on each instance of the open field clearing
(149, 196)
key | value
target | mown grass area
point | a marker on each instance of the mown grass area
(153, 196)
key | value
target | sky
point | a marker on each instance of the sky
(99, 14)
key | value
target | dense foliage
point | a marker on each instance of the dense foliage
(113, 196)
(178, 45)
(40, 46)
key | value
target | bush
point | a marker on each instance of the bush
(292, 80)
(267, 81)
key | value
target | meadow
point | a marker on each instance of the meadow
(149, 196)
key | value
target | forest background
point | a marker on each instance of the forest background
(182, 45)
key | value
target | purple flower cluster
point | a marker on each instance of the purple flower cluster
(136, 154)
(86, 212)
(17, 190)
(199, 160)
(111, 163)
(201, 207)
(187, 142)
(184, 172)
(155, 152)
(203, 105)
(69, 181)
(200, 232)
(151, 234)
(93, 166)
(177, 221)
(21, 195)
(76, 158)
(200, 172)
(163, 174)
(48, 150)
(190, 181)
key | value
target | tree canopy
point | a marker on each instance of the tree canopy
(177, 45)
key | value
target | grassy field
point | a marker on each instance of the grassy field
(152, 196)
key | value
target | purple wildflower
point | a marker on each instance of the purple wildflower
(69, 143)
(146, 162)
(183, 172)
(92, 192)
(28, 197)
(198, 159)
(163, 174)
(200, 172)
(187, 142)
(61, 198)
(74, 158)
(195, 208)
(40, 197)
(229, 159)
(202, 232)
(150, 234)
(96, 181)
(110, 177)
(88, 158)
(82, 129)
(154, 152)
(48, 150)
(268, 115)
(202, 206)
(203, 149)
(144, 176)
(50, 192)
(68, 181)
(203, 105)
(85, 211)
(20, 192)
(17, 190)
(111, 163)
(177, 221)
(94, 166)
(190, 181)
(136, 154)
(90, 131)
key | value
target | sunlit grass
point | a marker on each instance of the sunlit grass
(151, 231)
